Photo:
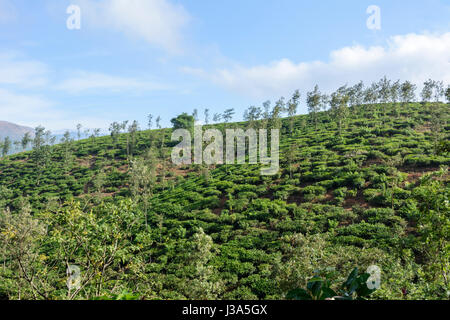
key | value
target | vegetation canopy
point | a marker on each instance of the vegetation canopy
(363, 181)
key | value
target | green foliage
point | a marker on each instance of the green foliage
(183, 121)
(363, 192)
(354, 288)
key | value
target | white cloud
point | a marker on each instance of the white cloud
(159, 22)
(84, 81)
(25, 109)
(24, 73)
(34, 110)
(414, 57)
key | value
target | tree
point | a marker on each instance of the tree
(324, 102)
(266, 114)
(291, 155)
(339, 108)
(150, 121)
(142, 180)
(439, 91)
(96, 242)
(384, 93)
(158, 122)
(6, 146)
(292, 109)
(115, 129)
(123, 125)
(228, 115)
(79, 126)
(354, 288)
(183, 121)
(251, 115)
(407, 92)
(434, 223)
(395, 95)
(217, 117)
(356, 94)
(42, 152)
(277, 111)
(131, 137)
(96, 133)
(427, 91)
(204, 284)
(313, 101)
(40, 252)
(447, 94)
(20, 234)
(67, 151)
(17, 145)
(437, 119)
(25, 140)
(371, 96)
(195, 114)
(206, 116)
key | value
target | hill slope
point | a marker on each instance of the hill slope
(14, 131)
(340, 200)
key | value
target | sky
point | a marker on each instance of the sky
(131, 58)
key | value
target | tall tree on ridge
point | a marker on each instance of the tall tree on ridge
(26, 139)
(357, 94)
(150, 121)
(251, 115)
(131, 138)
(67, 153)
(427, 91)
(292, 109)
(206, 116)
(384, 93)
(371, 97)
(276, 114)
(407, 92)
(79, 126)
(313, 100)
(395, 96)
(41, 154)
(447, 94)
(195, 114)
(217, 117)
(228, 115)
(431, 94)
(158, 122)
(266, 114)
(339, 106)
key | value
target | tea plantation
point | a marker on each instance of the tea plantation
(370, 188)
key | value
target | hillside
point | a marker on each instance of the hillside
(346, 196)
(14, 131)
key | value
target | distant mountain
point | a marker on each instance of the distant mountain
(12, 130)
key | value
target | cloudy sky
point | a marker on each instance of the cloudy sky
(135, 57)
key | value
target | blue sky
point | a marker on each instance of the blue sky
(135, 57)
